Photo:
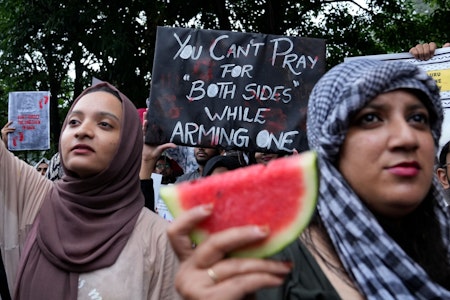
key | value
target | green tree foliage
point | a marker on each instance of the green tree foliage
(43, 42)
(60, 45)
(438, 22)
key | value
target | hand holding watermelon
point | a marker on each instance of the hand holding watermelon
(204, 273)
(280, 196)
(236, 218)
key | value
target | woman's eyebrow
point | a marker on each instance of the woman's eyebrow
(108, 114)
(76, 112)
(102, 113)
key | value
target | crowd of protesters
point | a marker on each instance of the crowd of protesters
(380, 231)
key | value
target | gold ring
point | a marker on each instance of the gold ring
(212, 275)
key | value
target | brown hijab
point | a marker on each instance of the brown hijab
(84, 224)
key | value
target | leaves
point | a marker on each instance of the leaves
(61, 45)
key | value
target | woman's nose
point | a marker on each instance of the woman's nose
(404, 135)
(84, 130)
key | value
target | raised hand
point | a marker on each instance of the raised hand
(7, 129)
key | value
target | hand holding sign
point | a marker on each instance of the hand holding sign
(7, 129)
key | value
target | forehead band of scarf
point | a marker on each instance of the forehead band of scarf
(348, 87)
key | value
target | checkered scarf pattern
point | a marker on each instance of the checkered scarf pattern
(380, 268)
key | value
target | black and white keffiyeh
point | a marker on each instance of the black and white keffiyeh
(381, 269)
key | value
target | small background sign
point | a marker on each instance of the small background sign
(29, 112)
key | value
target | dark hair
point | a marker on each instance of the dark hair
(242, 156)
(443, 154)
(229, 162)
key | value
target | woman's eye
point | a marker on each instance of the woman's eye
(420, 118)
(73, 122)
(369, 118)
(105, 124)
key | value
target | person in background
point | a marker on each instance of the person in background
(381, 227)
(240, 155)
(163, 166)
(142, 112)
(88, 233)
(262, 157)
(42, 166)
(55, 170)
(220, 164)
(168, 168)
(169, 171)
(202, 155)
(425, 51)
(442, 169)
(150, 155)
(184, 156)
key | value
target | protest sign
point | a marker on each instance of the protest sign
(232, 90)
(29, 112)
(437, 67)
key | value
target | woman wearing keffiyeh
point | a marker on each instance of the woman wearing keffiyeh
(381, 229)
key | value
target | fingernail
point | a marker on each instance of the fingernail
(206, 208)
(288, 264)
(262, 230)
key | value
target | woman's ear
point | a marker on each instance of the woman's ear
(443, 178)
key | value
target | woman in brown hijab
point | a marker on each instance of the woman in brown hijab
(88, 234)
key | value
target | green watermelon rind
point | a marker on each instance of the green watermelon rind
(276, 243)
(307, 163)
(169, 194)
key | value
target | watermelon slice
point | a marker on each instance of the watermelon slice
(281, 195)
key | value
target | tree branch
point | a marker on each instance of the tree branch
(351, 1)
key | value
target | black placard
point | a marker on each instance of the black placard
(232, 90)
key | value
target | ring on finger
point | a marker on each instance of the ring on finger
(212, 275)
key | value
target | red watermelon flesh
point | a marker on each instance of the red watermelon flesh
(281, 195)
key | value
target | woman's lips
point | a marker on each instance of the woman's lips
(409, 169)
(82, 149)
